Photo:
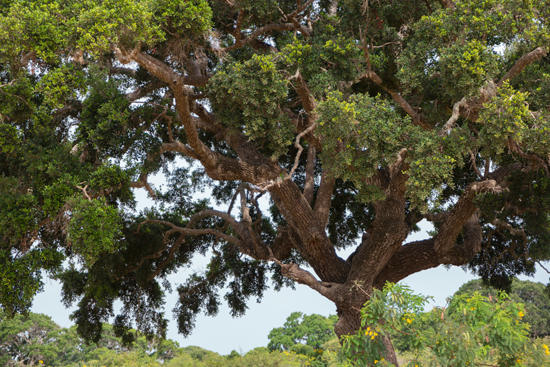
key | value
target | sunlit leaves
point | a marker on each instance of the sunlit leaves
(363, 134)
(183, 16)
(507, 120)
(103, 23)
(249, 97)
(473, 328)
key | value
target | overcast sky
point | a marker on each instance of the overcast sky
(224, 333)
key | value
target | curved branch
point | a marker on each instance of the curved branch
(416, 118)
(470, 109)
(422, 255)
(522, 63)
(310, 168)
(463, 210)
(142, 183)
(240, 42)
(177, 146)
(300, 148)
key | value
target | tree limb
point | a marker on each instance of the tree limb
(416, 118)
(310, 168)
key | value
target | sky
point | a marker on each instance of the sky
(223, 333)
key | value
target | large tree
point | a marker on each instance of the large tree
(356, 118)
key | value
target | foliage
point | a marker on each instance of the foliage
(358, 119)
(473, 329)
(312, 330)
(532, 295)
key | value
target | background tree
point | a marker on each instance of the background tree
(311, 330)
(357, 119)
(28, 340)
(533, 296)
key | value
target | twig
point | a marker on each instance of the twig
(300, 148)
(473, 160)
(84, 191)
(542, 266)
(456, 113)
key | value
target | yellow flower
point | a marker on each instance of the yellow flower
(546, 350)
(521, 314)
(409, 321)
(375, 361)
(372, 337)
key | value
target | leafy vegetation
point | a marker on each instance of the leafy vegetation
(356, 119)
(473, 330)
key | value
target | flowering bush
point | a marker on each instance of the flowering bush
(473, 330)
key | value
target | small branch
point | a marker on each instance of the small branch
(473, 160)
(470, 108)
(310, 170)
(263, 30)
(456, 114)
(546, 270)
(85, 192)
(142, 183)
(300, 148)
(507, 226)
(416, 118)
(294, 272)
(522, 63)
(177, 146)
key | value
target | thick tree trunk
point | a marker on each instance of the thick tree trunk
(349, 322)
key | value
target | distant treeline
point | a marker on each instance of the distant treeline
(35, 340)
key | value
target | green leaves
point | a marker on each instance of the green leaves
(21, 276)
(94, 229)
(360, 135)
(473, 329)
(312, 330)
(182, 16)
(102, 23)
(249, 96)
(61, 85)
(508, 123)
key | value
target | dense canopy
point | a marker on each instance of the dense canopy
(357, 119)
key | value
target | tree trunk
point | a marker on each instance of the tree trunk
(349, 322)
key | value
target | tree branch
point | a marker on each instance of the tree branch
(522, 63)
(470, 109)
(300, 148)
(463, 210)
(324, 197)
(142, 183)
(416, 118)
(448, 4)
(310, 168)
